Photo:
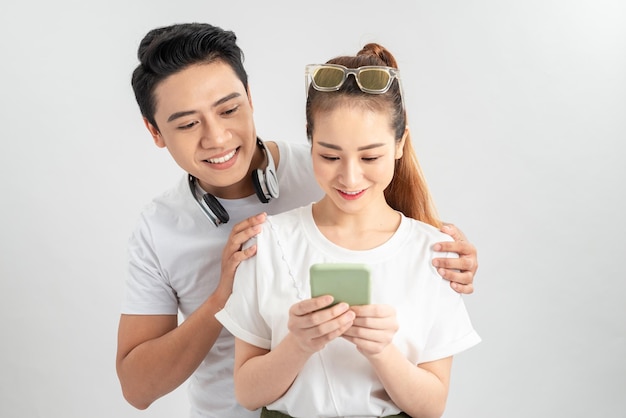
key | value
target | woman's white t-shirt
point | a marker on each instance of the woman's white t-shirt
(338, 380)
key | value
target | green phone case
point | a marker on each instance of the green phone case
(347, 282)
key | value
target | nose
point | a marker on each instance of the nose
(350, 172)
(214, 134)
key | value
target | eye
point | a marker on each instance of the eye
(188, 125)
(329, 157)
(231, 110)
(370, 159)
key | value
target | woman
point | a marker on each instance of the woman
(392, 357)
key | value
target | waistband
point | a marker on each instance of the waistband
(266, 413)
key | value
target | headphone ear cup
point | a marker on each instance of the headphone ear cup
(216, 207)
(258, 181)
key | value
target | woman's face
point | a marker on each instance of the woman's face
(354, 153)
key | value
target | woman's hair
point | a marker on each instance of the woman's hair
(408, 191)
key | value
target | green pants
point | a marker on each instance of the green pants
(265, 413)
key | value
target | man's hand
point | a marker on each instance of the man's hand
(233, 252)
(459, 271)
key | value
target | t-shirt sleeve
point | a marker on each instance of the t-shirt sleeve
(148, 291)
(241, 314)
(452, 331)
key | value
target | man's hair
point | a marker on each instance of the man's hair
(167, 50)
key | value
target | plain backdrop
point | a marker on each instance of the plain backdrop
(518, 114)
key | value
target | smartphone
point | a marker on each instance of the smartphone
(346, 282)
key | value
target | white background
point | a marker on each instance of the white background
(518, 111)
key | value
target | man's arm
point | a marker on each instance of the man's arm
(155, 355)
(459, 271)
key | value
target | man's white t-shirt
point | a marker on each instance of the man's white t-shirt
(175, 262)
(338, 381)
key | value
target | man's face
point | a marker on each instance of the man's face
(205, 120)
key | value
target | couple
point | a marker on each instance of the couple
(371, 205)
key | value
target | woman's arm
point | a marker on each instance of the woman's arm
(420, 391)
(262, 376)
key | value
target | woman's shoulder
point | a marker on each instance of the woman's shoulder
(430, 232)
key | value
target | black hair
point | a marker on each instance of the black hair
(167, 50)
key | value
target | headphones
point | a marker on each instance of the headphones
(265, 184)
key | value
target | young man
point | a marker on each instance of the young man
(192, 91)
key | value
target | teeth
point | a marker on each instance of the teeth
(222, 159)
(352, 193)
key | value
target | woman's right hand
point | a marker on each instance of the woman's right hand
(313, 326)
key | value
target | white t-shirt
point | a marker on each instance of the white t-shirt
(338, 381)
(175, 263)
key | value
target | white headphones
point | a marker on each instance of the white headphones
(265, 184)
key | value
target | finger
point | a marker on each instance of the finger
(453, 231)
(237, 239)
(249, 222)
(335, 326)
(309, 306)
(465, 264)
(462, 288)
(461, 277)
(460, 247)
(373, 311)
(244, 254)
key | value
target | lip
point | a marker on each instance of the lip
(224, 160)
(348, 195)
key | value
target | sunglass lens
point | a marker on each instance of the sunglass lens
(374, 79)
(327, 77)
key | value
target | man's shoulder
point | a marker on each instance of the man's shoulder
(291, 150)
(172, 202)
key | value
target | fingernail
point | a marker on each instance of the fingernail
(437, 247)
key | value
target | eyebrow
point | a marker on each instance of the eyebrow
(183, 113)
(338, 148)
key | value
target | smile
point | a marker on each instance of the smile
(223, 159)
(348, 195)
(351, 193)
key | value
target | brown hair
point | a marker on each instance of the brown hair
(408, 191)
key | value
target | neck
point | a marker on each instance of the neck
(356, 231)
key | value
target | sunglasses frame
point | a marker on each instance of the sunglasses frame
(310, 70)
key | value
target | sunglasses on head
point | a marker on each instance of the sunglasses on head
(372, 79)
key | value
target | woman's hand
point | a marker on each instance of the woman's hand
(373, 329)
(313, 326)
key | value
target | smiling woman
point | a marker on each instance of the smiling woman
(293, 352)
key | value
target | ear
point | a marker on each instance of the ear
(154, 132)
(400, 144)
(250, 98)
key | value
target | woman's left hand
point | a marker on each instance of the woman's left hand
(373, 328)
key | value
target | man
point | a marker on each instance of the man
(192, 91)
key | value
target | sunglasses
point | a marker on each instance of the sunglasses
(370, 79)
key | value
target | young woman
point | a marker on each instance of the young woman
(293, 353)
